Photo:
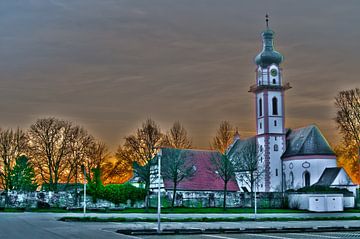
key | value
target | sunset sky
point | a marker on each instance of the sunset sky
(109, 64)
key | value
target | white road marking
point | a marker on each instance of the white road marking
(313, 235)
(347, 233)
(221, 237)
(118, 234)
(268, 236)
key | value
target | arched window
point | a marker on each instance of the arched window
(275, 123)
(276, 147)
(274, 81)
(291, 180)
(275, 106)
(306, 179)
(260, 107)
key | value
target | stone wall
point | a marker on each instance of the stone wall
(56, 200)
(183, 199)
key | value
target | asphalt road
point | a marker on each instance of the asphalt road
(334, 235)
(46, 225)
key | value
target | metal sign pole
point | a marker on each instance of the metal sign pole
(159, 194)
(255, 206)
(84, 171)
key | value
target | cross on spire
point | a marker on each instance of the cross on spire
(267, 20)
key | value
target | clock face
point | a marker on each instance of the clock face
(273, 72)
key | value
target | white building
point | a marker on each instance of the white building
(288, 158)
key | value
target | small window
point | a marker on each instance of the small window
(306, 179)
(275, 106)
(260, 107)
(260, 125)
(274, 81)
(275, 123)
(276, 172)
(291, 176)
(276, 147)
(275, 138)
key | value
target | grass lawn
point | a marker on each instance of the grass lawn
(203, 219)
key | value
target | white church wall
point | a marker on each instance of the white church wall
(315, 166)
(261, 144)
(275, 162)
(342, 178)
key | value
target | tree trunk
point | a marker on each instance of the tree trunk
(174, 195)
(225, 192)
(76, 189)
(147, 198)
(252, 189)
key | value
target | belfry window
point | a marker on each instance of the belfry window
(275, 106)
(260, 107)
(276, 147)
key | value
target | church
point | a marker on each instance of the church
(287, 158)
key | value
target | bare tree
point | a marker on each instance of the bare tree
(12, 145)
(221, 164)
(79, 145)
(120, 168)
(49, 149)
(347, 157)
(348, 114)
(177, 137)
(348, 120)
(98, 156)
(224, 137)
(143, 147)
(176, 165)
(247, 165)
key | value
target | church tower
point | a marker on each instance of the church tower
(270, 116)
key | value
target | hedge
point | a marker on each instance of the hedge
(119, 193)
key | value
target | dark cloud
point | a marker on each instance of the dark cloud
(110, 64)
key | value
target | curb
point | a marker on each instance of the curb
(235, 230)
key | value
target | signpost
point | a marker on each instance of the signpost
(159, 194)
(84, 171)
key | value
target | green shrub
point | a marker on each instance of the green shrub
(119, 193)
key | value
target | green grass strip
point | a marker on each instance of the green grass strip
(202, 219)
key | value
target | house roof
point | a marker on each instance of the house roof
(328, 176)
(306, 141)
(204, 179)
(239, 144)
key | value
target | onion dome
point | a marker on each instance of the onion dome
(268, 55)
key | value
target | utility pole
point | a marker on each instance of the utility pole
(255, 205)
(84, 171)
(159, 194)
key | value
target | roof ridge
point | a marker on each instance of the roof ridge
(199, 150)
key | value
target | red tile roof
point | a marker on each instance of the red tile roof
(203, 179)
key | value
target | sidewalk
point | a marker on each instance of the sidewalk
(145, 228)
